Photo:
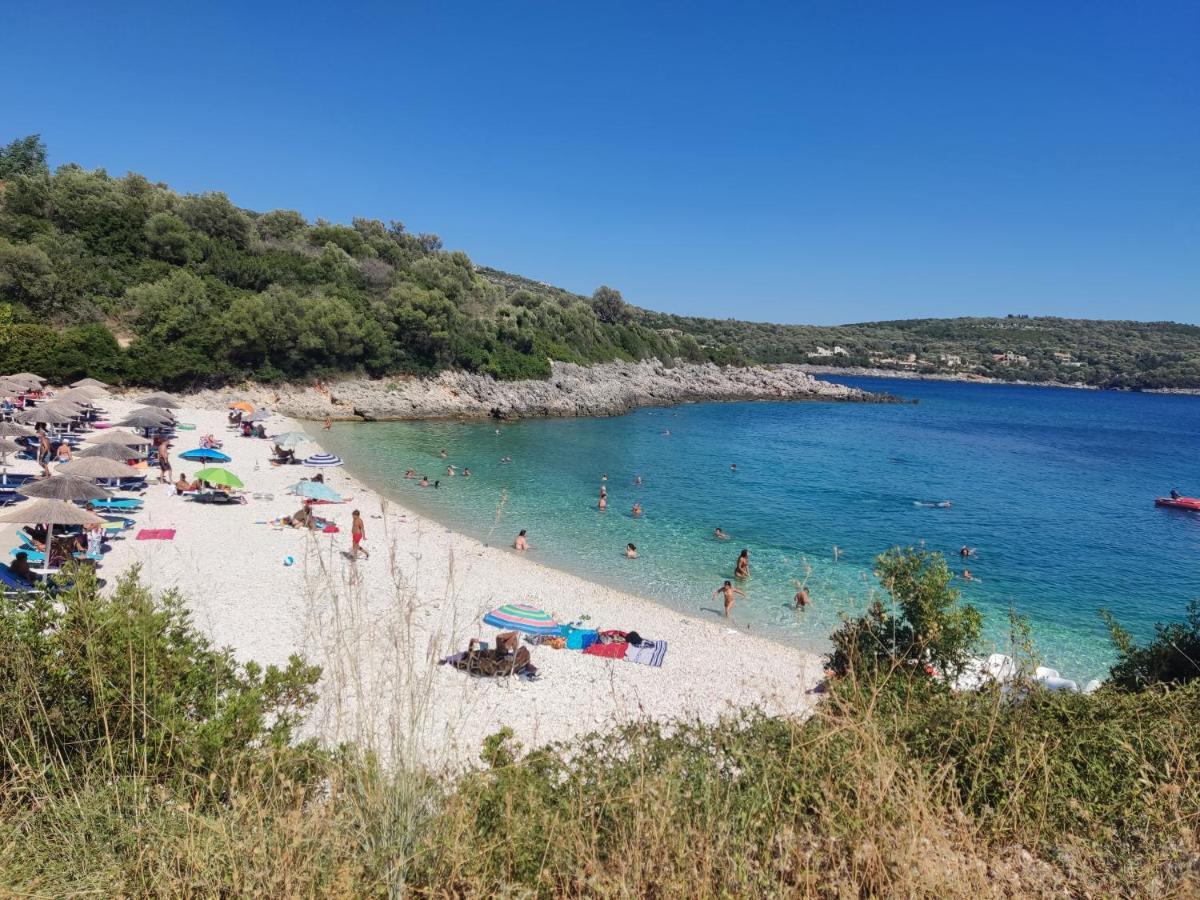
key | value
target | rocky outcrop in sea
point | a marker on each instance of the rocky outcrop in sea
(607, 389)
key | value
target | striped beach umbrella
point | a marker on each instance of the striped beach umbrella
(522, 617)
(322, 460)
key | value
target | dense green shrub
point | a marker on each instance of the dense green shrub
(1171, 657)
(924, 626)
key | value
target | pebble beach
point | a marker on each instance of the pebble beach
(378, 626)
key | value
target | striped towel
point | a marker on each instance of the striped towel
(648, 653)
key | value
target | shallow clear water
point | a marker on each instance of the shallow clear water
(1054, 487)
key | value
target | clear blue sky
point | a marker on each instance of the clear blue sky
(800, 162)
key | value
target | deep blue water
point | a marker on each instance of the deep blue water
(1054, 487)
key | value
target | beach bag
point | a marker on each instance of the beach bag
(580, 638)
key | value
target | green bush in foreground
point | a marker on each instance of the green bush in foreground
(137, 760)
(1171, 657)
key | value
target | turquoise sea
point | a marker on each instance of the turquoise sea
(1054, 487)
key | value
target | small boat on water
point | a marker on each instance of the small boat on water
(1192, 503)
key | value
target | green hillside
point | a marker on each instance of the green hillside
(127, 280)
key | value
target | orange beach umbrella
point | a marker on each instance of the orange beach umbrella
(243, 406)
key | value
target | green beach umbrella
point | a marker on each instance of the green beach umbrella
(217, 475)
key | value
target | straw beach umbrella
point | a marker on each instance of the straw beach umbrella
(64, 487)
(90, 383)
(119, 438)
(144, 419)
(42, 414)
(29, 378)
(11, 429)
(50, 512)
(117, 452)
(161, 400)
(96, 467)
(81, 394)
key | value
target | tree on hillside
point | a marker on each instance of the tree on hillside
(23, 156)
(609, 306)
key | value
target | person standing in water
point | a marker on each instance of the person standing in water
(358, 533)
(802, 598)
(727, 590)
(742, 568)
(603, 504)
(521, 543)
(328, 426)
(630, 551)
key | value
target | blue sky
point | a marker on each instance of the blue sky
(806, 162)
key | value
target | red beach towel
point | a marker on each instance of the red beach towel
(156, 534)
(608, 651)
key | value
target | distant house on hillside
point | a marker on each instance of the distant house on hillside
(1062, 356)
(950, 359)
(820, 353)
(1009, 358)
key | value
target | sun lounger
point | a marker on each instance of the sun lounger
(127, 504)
(218, 498)
(11, 583)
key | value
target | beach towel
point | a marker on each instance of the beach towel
(156, 534)
(608, 651)
(648, 653)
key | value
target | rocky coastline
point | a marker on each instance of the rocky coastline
(607, 389)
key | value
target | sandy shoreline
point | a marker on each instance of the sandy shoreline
(378, 626)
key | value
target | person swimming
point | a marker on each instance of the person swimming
(603, 504)
(637, 479)
(967, 576)
(966, 551)
(719, 534)
(742, 568)
(630, 551)
(424, 481)
(637, 510)
(727, 590)
(466, 472)
(443, 453)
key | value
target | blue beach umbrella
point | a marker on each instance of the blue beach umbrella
(204, 454)
(315, 490)
(322, 460)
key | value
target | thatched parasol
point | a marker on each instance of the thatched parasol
(96, 467)
(120, 438)
(64, 487)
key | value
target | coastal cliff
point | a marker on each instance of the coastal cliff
(607, 389)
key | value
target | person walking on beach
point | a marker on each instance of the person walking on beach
(522, 542)
(164, 463)
(358, 533)
(742, 568)
(727, 590)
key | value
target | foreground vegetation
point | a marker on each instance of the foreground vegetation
(128, 281)
(137, 759)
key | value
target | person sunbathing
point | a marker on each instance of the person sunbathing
(303, 517)
(20, 567)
